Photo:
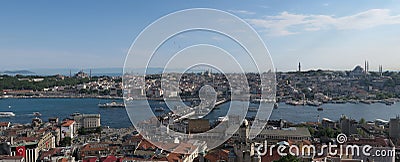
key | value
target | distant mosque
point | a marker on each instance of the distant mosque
(358, 71)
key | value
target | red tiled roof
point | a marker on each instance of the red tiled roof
(51, 152)
(108, 159)
(144, 145)
(174, 157)
(216, 155)
(4, 124)
(63, 160)
(91, 159)
(68, 123)
(268, 157)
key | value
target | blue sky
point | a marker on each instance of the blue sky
(97, 34)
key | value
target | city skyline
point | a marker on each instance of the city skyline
(334, 35)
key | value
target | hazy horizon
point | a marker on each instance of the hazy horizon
(114, 71)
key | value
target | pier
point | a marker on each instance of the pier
(189, 114)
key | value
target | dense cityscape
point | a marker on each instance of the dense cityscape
(81, 137)
(313, 87)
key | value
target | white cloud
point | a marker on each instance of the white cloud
(242, 12)
(287, 23)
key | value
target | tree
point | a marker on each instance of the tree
(99, 129)
(82, 131)
(362, 121)
(65, 142)
(288, 158)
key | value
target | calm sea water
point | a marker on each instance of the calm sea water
(118, 118)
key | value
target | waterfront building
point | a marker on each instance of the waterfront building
(87, 121)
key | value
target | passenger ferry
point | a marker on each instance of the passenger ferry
(6, 114)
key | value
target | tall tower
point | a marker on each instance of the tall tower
(299, 67)
(365, 66)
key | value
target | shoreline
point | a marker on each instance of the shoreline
(388, 102)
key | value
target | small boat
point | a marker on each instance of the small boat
(354, 101)
(390, 103)
(320, 109)
(37, 114)
(6, 114)
(112, 105)
(366, 102)
(159, 109)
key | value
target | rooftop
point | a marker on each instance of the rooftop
(68, 123)
(297, 132)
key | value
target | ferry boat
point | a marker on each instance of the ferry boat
(112, 105)
(320, 109)
(6, 114)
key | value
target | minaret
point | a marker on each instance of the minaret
(299, 67)
(90, 74)
(367, 67)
